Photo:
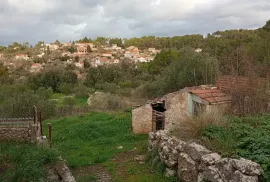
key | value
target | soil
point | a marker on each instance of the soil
(101, 173)
(98, 171)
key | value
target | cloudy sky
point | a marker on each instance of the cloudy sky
(48, 20)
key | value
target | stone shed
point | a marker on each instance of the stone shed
(168, 111)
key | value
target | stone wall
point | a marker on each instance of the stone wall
(192, 162)
(142, 119)
(20, 134)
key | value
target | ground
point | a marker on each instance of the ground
(101, 146)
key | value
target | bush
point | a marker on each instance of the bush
(246, 137)
(69, 101)
(82, 91)
(107, 102)
(66, 88)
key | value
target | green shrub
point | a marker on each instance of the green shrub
(246, 137)
(66, 88)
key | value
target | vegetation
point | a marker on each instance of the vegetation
(24, 162)
(95, 138)
(246, 137)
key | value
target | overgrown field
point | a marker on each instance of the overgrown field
(102, 139)
(24, 162)
(248, 137)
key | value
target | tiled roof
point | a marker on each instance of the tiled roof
(211, 94)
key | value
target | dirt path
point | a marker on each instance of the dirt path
(92, 173)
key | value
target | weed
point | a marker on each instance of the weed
(25, 161)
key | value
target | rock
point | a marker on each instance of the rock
(225, 168)
(211, 173)
(170, 163)
(64, 172)
(120, 147)
(209, 160)
(187, 169)
(180, 146)
(239, 177)
(196, 151)
(247, 167)
(52, 176)
(140, 158)
(169, 172)
(174, 155)
(151, 136)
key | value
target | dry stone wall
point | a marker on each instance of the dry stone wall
(20, 134)
(192, 162)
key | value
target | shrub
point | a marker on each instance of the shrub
(66, 88)
(107, 102)
(82, 91)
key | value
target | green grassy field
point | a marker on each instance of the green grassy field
(24, 162)
(94, 139)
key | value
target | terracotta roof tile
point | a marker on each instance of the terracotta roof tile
(212, 95)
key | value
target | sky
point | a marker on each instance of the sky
(65, 20)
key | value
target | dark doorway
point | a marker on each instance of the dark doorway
(158, 116)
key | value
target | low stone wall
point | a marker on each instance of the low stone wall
(20, 134)
(191, 162)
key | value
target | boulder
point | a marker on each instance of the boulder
(209, 160)
(187, 169)
(181, 146)
(225, 168)
(196, 151)
(211, 173)
(239, 177)
(247, 167)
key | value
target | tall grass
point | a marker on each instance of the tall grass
(193, 126)
(24, 162)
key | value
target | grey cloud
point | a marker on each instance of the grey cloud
(49, 20)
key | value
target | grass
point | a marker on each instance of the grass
(93, 138)
(246, 137)
(193, 126)
(59, 98)
(24, 162)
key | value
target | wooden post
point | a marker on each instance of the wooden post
(35, 114)
(40, 122)
(50, 134)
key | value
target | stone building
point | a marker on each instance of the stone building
(168, 111)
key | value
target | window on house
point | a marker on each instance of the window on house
(198, 108)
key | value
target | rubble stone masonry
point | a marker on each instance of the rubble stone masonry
(192, 162)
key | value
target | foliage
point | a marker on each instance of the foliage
(93, 138)
(18, 101)
(24, 162)
(106, 102)
(52, 79)
(246, 137)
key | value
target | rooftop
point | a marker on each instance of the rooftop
(210, 94)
